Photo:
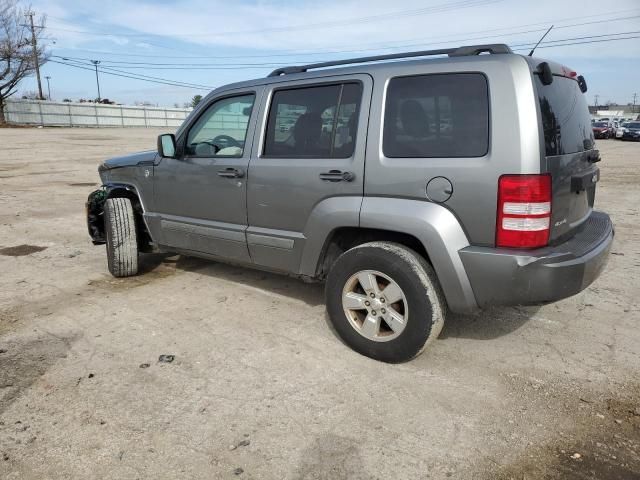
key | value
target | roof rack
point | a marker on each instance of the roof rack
(452, 52)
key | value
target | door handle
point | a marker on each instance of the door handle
(231, 173)
(337, 176)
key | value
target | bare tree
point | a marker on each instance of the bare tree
(17, 60)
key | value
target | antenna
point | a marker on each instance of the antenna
(541, 38)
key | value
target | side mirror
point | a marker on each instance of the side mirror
(167, 145)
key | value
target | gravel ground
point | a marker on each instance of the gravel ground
(260, 386)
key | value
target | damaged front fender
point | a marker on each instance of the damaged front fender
(95, 215)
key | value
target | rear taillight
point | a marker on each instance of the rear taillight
(524, 211)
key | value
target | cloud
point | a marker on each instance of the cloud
(338, 28)
(345, 24)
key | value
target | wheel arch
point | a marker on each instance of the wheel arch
(126, 190)
(428, 228)
(341, 239)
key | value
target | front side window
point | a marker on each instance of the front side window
(314, 122)
(222, 129)
(439, 115)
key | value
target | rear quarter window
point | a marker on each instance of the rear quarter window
(437, 115)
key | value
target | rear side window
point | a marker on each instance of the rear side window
(566, 122)
(439, 115)
(314, 122)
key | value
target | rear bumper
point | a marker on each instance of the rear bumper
(514, 277)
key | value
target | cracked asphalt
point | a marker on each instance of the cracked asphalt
(260, 387)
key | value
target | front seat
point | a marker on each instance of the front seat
(306, 134)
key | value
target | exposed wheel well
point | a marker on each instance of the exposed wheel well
(345, 238)
(145, 244)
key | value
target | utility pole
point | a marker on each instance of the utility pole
(34, 45)
(95, 63)
(48, 86)
(596, 97)
(635, 96)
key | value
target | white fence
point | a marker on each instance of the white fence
(42, 112)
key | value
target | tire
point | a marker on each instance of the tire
(422, 305)
(120, 233)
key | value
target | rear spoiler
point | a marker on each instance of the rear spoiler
(547, 72)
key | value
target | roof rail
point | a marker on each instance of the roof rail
(452, 52)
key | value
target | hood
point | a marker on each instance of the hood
(131, 160)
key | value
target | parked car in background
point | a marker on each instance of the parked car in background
(395, 185)
(631, 131)
(601, 130)
(620, 130)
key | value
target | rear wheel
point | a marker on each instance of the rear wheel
(384, 301)
(122, 241)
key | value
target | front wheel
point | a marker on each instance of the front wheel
(120, 233)
(384, 301)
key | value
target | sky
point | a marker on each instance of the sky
(208, 43)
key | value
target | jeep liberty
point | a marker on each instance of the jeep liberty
(410, 187)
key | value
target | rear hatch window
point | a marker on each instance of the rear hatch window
(568, 144)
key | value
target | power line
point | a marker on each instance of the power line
(103, 68)
(233, 66)
(324, 52)
(440, 8)
(582, 43)
(191, 85)
(176, 84)
(580, 38)
(158, 80)
(133, 77)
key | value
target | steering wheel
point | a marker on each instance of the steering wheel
(224, 141)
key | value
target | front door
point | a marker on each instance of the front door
(308, 161)
(200, 196)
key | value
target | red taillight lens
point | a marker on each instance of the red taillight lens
(524, 211)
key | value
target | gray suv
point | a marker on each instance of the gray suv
(412, 188)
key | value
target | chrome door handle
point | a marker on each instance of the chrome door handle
(231, 173)
(337, 176)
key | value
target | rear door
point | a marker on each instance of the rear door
(569, 149)
(310, 150)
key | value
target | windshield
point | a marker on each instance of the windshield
(566, 121)
(600, 124)
(633, 125)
